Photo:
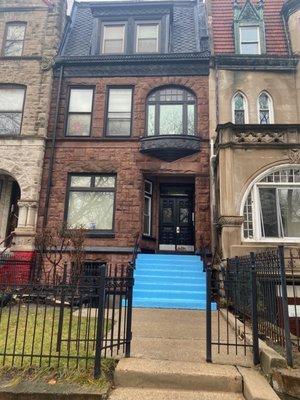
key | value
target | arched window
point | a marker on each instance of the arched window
(265, 109)
(272, 207)
(171, 111)
(239, 109)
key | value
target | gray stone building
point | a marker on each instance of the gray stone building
(30, 35)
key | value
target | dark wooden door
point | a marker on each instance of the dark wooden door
(176, 223)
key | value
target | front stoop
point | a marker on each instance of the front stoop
(149, 379)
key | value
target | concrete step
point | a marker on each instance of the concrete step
(165, 394)
(163, 279)
(162, 374)
(190, 304)
(168, 293)
(169, 286)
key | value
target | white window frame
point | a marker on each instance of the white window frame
(148, 195)
(271, 107)
(253, 190)
(138, 24)
(246, 110)
(243, 42)
(112, 24)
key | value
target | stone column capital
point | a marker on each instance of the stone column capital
(230, 221)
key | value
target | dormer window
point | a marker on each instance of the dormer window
(147, 38)
(113, 39)
(249, 28)
(249, 40)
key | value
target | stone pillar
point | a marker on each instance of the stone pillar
(230, 226)
(25, 231)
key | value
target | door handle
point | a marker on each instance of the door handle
(177, 229)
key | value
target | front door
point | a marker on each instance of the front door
(176, 232)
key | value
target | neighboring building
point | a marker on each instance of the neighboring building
(128, 141)
(254, 124)
(30, 33)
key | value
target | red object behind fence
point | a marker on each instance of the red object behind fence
(16, 269)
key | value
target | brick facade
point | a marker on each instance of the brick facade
(101, 154)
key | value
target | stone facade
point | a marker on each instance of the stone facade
(21, 157)
(99, 154)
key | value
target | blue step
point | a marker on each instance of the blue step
(169, 281)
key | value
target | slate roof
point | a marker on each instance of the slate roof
(188, 29)
(222, 26)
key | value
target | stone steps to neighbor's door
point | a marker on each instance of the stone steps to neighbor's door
(169, 281)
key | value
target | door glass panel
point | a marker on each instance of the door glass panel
(183, 215)
(167, 215)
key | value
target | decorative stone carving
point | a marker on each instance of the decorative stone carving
(259, 137)
(230, 220)
(47, 63)
(294, 156)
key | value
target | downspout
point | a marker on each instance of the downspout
(212, 169)
(52, 154)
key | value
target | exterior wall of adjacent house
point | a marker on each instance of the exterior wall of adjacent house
(21, 157)
(237, 163)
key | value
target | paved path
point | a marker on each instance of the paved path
(179, 335)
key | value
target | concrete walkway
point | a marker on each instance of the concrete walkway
(180, 335)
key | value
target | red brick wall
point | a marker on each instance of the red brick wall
(99, 154)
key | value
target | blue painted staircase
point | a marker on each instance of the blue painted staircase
(169, 281)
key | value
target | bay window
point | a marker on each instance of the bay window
(91, 202)
(272, 208)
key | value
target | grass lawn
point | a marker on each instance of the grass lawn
(28, 331)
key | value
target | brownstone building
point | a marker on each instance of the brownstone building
(128, 140)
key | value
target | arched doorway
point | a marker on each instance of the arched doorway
(10, 194)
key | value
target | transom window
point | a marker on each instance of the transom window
(119, 112)
(14, 40)
(249, 40)
(240, 109)
(272, 208)
(265, 109)
(113, 39)
(147, 38)
(91, 200)
(80, 112)
(11, 110)
(171, 111)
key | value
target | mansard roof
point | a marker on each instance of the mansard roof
(222, 12)
(187, 21)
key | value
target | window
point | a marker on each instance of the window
(147, 38)
(11, 110)
(147, 208)
(80, 112)
(249, 40)
(119, 111)
(265, 109)
(171, 111)
(91, 200)
(113, 39)
(272, 208)
(14, 41)
(240, 109)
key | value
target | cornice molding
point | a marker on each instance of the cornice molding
(254, 63)
(289, 7)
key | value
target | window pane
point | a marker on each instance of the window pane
(120, 100)
(105, 181)
(147, 31)
(79, 125)
(171, 119)
(10, 123)
(80, 181)
(91, 210)
(16, 32)
(147, 216)
(81, 100)
(147, 46)
(239, 102)
(264, 102)
(114, 32)
(249, 34)
(239, 117)
(191, 119)
(249, 48)
(118, 127)
(113, 46)
(264, 117)
(11, 99)
(289, 200)
(13, 49)
(113, 39)
(269, 219)
(151, 120)
(148, 187)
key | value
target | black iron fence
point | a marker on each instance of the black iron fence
(256, 296)
(58, 319)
